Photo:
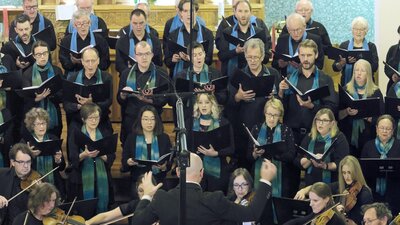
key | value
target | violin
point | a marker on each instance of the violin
(58, 217)
(324, 217)
(350, 199)
(32, 177)
(396, 221)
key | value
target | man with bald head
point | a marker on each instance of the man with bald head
(306, 9)
(288, 44)
(209, 208)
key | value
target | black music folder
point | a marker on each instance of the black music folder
(334, 53)
(47, 148)
(5, 125)
(100, 92)
(238, 41)
(376, 167)
(392, 69)
(106, 145)
(112, 41)
(183, 85)
(261, 85)
(44, 35)
(368, 107)
(76, 54)
(54, 84)
(23, 57)
(274, 150)
(12, 79)
(287, 57)
(156, 90)
(219, 138)
(287, 209)
(313, 156)
(314, 94)
(392, 106)
(160, 161)
(85, 208)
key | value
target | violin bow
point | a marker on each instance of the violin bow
(69, 211)
(116, 220)
(333, 196)
(33, 183)
(26, 217)
(308, 222)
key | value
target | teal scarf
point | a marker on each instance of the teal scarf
(294, 78)
(383, 150)
(132, 78)
(212, 165)
(204, 79)
(141, 150)
(358, 124)
(262, 139)
(348, 70)
(44, 164)
(397, 90)
(326, 174)
(79, 78)
(45, 103)
(290, 69)
(94, 173)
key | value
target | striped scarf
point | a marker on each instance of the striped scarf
(141, 150)
(131, 80)
(44, 164)
(358, 124)
(262, 139)
(290, 69)
(45, 103)
(212, 165)
(326, 174)
(348, 71)
(94, 177)
(383, 150)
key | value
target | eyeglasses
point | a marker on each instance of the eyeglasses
(253, 58)
(43, 54)
(369, 221)
(33, 7)
(147, 120)
(240, 186)
(385, 129)
(295, 31)
(146, 54)
(24, 163)
(324, 122)
(272, 116)
(42, 124)
(93, 118)
(83, 24)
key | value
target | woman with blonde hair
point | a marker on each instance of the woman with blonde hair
(359, 130)
(324, 135)
(216, 162)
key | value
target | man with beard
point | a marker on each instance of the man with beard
(233, 56)
(288, 44)
(299, 113)
(305, 8)
(37, 20)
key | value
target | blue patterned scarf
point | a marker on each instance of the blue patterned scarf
(132, 78)
(177, 22)
(94, 173)
(262, 139)
(290, 69)
(326, 174)
(358, 124)
(141, 150)
(45, 103)
(348, 71)
(383, 150)
(233, 62)
(294, 78)
(44, 164)
(41, 22)
(132, 43)
(212, 165)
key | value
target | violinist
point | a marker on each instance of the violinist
(321, 203)
(376, 214)
(352, 183)
(10, 180)
(42, 201)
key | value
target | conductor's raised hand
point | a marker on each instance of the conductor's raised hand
(148, 187)
(267, 170)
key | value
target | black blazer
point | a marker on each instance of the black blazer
(209, 208)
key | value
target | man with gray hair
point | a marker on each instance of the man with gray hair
(79, 39)
(376, 214)
(288, 44)
(306, 9)
(97, 25)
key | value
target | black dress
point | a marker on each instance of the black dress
(27, 218)
(393, 59)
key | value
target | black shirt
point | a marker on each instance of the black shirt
(10, 49)
(30, 219)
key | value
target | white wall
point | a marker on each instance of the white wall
(387, 20)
